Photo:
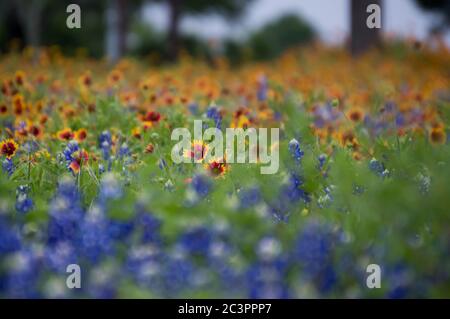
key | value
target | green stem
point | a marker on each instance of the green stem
(29, 168)
(166, 168)
(79, 173)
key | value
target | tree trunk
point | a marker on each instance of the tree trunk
(116, 29)
(30, 17)
(362, 37)
(174, 21)
(123, 27)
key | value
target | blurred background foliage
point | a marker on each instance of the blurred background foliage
(117, 28)
(270, 41)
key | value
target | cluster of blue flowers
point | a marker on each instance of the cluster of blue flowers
(23, 202)
(105, 144)
(134, 251)
(68, 153)
(213, 113)
(263, 87)
(8, 166)
(111, 252)
(295, 150)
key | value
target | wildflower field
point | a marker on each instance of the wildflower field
(88, 179)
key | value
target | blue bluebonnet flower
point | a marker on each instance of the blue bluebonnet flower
(325, 114)
(8, 166)
(267, 281)
(149, 224)
(219, 250)
(220, 254)
(145, 264)
(193, 108)
(30, 146)
(103, 282)
(120, 230)
(322, 160)
(268, 249)
(22, 273)
(65, 213)
(378, 168)
(249, 197)
(214, 114)
(162, 163)
(327, 280)
(358, 189)
(58, 256)
(196, 240)
(295, 150)
(211, 112)
(105, 143)
(280, 210)
(71, 148)
(390, 106)
(262, 89)
(277, 116)
(401, 281)
(124, 150)
(23, 202)
(21, 126)
(201, 185)
(110, 187)
(9, 237)
(178, 274)
(289, 194)
(314, 249)
(74, 156)
(95, 241)
(400, 120)
(267, 277)
(293, 191)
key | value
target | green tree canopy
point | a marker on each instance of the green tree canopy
(440, 6)
(230, 8)
(284, 33)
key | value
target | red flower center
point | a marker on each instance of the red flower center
(8, 149)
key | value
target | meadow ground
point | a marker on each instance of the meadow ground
(363, 177)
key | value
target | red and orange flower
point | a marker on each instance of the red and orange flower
(8, 148)
(65, 134)
(438, 135)
(79, 158)
(80, 135)
(198, 151)
(217, 167)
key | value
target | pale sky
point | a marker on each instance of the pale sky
(329, 17)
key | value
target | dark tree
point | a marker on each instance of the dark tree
(118, 16)
(277, 36)
(439, 6)
(177, 8)
(30, 16)
(362, 37)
